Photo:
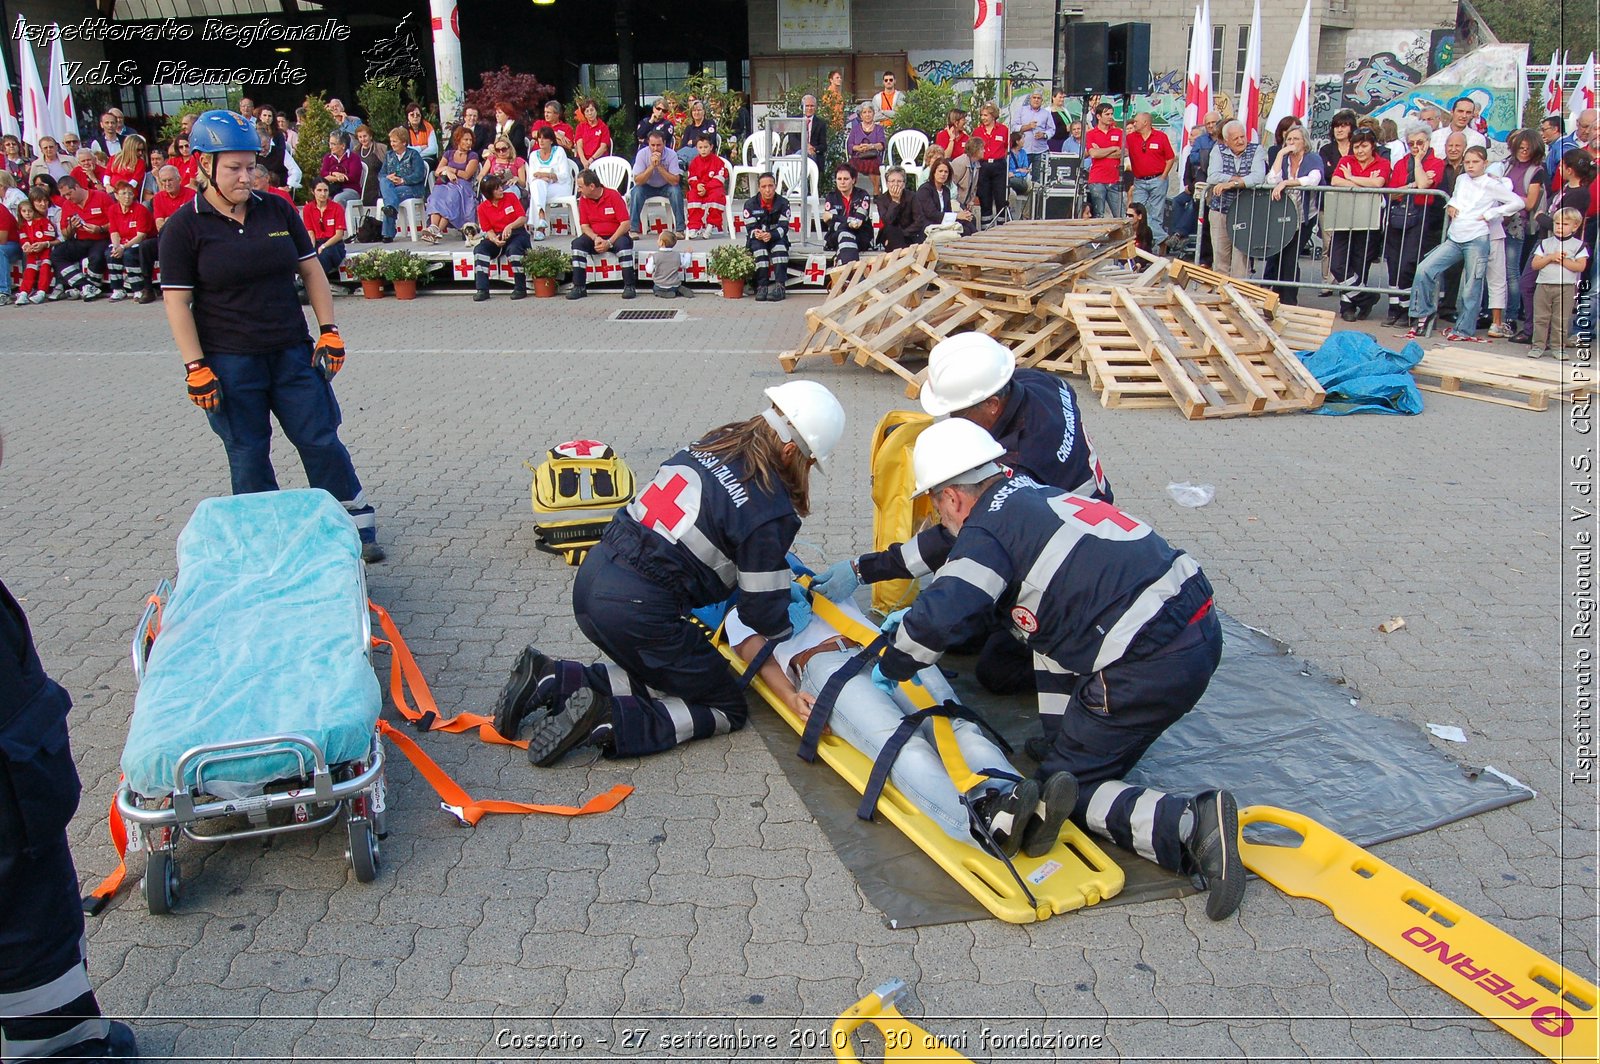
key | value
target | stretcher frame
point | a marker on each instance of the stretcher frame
(1073, 874)
(319, 792)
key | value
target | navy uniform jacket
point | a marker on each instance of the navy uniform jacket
(33, 707)
(1079, 581)
(702, 528)
(1042, 432)
(774, 219)
(858, 211)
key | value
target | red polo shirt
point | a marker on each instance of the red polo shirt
(943, 140)
(164, 206)
(494, 216)
(131, 222)
(1400, 174)
(559, 127)
(1149, 155)
(1349, 167)
(96, 210)
(591, 137)
(322, 222)
(996, 141)
(607, 215)
(8, 224)
(1107, 171)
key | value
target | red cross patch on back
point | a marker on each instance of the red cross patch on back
(671, 503)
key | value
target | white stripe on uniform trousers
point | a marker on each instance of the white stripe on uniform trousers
(768, 580)
(978, 575)
(64, 989)
(83, 1031)
(678, 710)
(1100, 804)
(723, 724)
(1142, 824)
(356, 503)
(1142, 609)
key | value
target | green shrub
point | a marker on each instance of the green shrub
(546, 262)
(312, 144)
(731, 262)
(383, 101)
(367, 266)
(402, 265)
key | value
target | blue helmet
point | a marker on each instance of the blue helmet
(219, 131)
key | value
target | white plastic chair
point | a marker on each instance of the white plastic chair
(790, 187)
(906, 149)
(568, 204)
(755, 159)
(356, 211)
(614, 172)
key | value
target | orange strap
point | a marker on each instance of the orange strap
(404, 673)
(453, 799)
(101, 895)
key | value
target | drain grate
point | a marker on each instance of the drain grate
(647, 315)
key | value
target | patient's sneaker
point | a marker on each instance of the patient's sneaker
(1213, 852)
(580, 718)
(1057, 797)
(1005, 814)
(533, 675)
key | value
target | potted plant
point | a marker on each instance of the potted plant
(733, 266)
(404, 269)
(546, 265)
(367, 268)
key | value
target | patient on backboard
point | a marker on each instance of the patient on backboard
(1018, 815)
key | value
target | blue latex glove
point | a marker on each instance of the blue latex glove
(799, 609)
(837, 582)
(886, 685)
(891, 622)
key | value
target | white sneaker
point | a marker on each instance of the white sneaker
(540, 234)
(38, 297)
(91, 292)
(73, 293)
(5, 297)
(118, 295)
(22, 300)
(694, 234)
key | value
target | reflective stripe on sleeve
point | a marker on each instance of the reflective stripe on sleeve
(1143, 608)
(977, 574)
(771, 580)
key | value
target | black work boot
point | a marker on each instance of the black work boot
(526, 689)
(573, 722)
(630, 283)
(1213, 852)
(1057, 798)
(580, 287)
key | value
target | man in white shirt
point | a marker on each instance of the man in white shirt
(1020, 815)
(1035, 123)
(1463, 115)
(1479, 198)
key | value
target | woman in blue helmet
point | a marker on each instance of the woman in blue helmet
(229, 258)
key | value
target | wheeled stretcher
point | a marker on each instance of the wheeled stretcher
(257, 707)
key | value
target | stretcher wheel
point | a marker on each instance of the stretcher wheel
(363, 851)
(160, 882)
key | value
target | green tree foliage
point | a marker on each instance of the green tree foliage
(383, 101)
(1569, 27)
(312, 144)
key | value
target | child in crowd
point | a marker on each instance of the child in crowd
(1561, 260)
(36, 233)
(133, 245)
(708, 190)
(666, 268)
(1018, 170)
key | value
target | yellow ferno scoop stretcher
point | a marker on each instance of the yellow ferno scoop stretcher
(1073, 874)
(1521, 991)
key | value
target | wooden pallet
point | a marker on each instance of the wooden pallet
(1212, 355)
(1505, 379)
(1303, 328)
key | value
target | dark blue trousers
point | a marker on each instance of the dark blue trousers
(676, 687)
(1111, 720)
(285, 385)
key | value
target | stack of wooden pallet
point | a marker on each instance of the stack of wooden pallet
(1075, 297)
(1504, 379)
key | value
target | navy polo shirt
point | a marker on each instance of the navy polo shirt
(242, 276)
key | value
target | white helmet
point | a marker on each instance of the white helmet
(811, 413)
(954, 452)
(964, 370)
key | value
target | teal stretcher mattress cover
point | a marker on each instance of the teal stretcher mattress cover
(264, 635)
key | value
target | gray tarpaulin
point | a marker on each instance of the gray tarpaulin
(1271, 728)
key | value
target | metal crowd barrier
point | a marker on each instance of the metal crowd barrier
(1357, 232)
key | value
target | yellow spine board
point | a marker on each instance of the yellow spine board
(902, 1039)
(1073, 874)
(1526, 994)
(896, 516)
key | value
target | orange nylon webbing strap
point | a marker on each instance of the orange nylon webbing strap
(101, 896)
(470, 810)
(404, 673)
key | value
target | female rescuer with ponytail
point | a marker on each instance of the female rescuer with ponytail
(229, 258)
(720, 514)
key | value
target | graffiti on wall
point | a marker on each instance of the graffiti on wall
(1327, 92)
(1441, 50)
(1375, 80)
(941, 71)
(1496, 106)
(1167, 81)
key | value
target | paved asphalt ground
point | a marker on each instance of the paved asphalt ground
(708, 900)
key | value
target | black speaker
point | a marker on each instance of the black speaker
(1128, 58)
(1056, 206)
(1086, 48)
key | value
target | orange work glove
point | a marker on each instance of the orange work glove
(329, 355)
(204, 390)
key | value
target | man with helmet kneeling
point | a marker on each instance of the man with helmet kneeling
(718, 515)
(1120, 625)
(1034, 415)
